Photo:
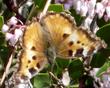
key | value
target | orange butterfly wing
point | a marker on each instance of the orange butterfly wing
(68, 40)
(32, 58)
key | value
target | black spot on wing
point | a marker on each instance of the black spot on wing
(33, 48)
(32, 70)
(82, 44)
(29, 61)
(65, 35)
(34, 57)
(38, 65)
(70, 43)
(27, 66)
(79, 52)
(70, 53)
(78, 42)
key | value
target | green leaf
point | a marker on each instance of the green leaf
(104, 33)
(3, 57)
(1, 21)
(103, 69)
(42, 80)
(7, 15)
(98, 60)
(76, 69)
(62, 63)
(56, 7)
(77, 17)
(40, 3)
(101, 22)
(2, 39)
(89, 82)
(3, 53)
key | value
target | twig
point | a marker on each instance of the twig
(11, 53)
(45, 8)
(59, 81)
(7, 69)
(54, 76)
(31, 12)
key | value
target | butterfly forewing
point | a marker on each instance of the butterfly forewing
(69, 41)
(57, 27)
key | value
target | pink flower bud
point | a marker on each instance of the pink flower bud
(13, 21)
(5, 28)
(78, 6)
(108, 11)
(84, 10)
(65, 78)
(9, 36)
(18, 33)
(100, 9)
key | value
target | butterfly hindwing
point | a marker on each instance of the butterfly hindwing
(32, 58)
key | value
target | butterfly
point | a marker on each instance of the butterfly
(54, 35)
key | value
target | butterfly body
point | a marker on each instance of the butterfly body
(54, 35)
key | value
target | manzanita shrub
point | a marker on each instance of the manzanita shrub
(60, 73)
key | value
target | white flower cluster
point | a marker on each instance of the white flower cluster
(102, 8)
(13, 30)
(90, 8)
(65, 78)
(84, 7)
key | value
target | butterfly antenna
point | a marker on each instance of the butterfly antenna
(45, 9)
